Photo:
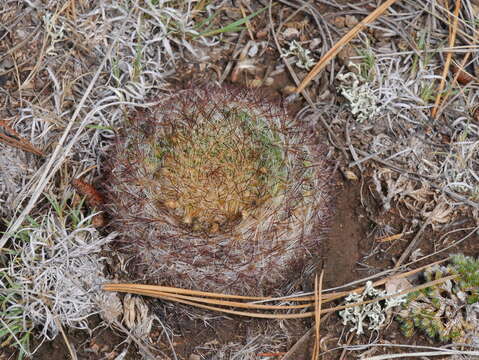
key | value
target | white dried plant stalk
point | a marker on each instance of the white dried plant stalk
(58, 272)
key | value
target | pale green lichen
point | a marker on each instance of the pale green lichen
(373, 315)
(360, 95)
(302, 55)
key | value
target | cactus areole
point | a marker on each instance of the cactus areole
(218, 189)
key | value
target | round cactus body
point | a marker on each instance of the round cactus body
(218, 189)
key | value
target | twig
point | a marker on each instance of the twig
(452, 40)
(70, 347)
(12, 138)
(341, 43)
(291, 354)
(343, 353)
(415, 241)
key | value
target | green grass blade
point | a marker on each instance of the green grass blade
(233, 27)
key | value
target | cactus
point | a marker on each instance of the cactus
(217, 188)
(447, 311)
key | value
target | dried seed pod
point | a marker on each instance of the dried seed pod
(92, 196)
(231, 206)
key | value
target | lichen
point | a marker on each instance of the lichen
(360, 95)
(302, 55)
(373, 315)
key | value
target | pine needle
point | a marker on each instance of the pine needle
(452, 40)
(341, 43)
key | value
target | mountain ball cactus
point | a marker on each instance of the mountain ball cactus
(218, 189)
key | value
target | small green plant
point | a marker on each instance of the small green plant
(447, 311)
(14, 330)
(235, 26)
(366, 67)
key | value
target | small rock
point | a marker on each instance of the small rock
(262, 34)
(339, 22)
(315, 43)
(290, 33)
(268, 81)
(349, 175)
(351, 21)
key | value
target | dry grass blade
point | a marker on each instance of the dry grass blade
(452, 40)
(12, 138)
(69, 346)
(344, 40)
(61, 150)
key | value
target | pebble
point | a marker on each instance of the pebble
(339, 22)
(315, 43)
(351, 20)
(290, 33)
(268, 81)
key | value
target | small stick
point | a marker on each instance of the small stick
(414, 242)
(343, 353)
(445, 71)
(390, 238)
(70, 347)
(344, 40)
(13, 138)
(248, 24)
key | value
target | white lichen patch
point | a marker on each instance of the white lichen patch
(373, 315)
(302, 55)
(360, 94)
